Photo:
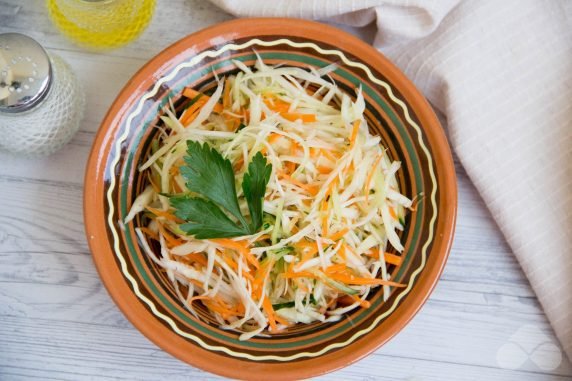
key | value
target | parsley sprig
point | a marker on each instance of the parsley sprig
(216, 213)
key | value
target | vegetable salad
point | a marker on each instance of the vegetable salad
(270, 202)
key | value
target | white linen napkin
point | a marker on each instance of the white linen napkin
(501, 73)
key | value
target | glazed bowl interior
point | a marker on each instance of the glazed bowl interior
(394, 110)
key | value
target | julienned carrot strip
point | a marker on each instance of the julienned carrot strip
(273, 138)
(191, 113)
(267, 306)
(392, 259)
(150, 233)
(311, 189)
(283, 108)
(171, 241)
(192, 93)
(370, 176)
(364, 281)
(302, 244)
(355, 129)
(291, 166)
(325, 216)
(262, 237)
(392, 213)
(329, 155)
(339, 235)
(219, 306)
(299, 274)
(239, 246)
(261, 275)
(238, 164)
(340, 267)
(226, 101)
(281, 320)
(362, 303)
(301, 285)
(197, 257)
(342, 252)
(293, 116)
(198, 297)
(163, 213)
(324, 170)
(153, 184)
(278, 106)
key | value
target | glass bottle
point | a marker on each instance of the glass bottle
(101, 24)
(41, 101)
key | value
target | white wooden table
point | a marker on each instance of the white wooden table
(58, 322)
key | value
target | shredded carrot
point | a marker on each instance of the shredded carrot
(392, 212)
(197, 257)
(362, 303)
(217, 305)
(370, 176)
(342, 253)
(340, 234)
(299, 274)
(325, 216)
(392, 259)
(164, 214)
(364, 281)
(277, 105)
(171, 241)
(273, 138)
(340, 267)
(311, 189)
(226, 101)
(239, 246)
(292, 116)
(238, 164)
(150, 233)
(198, 297)
(282, 321)
(267, 306)
(156, 187)
(291, 166)
(329, 155)
(191, 94)
(324, 170)
(283, 109)
(261, 274)
(191, 113)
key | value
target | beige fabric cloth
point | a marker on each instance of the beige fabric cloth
(501, 73)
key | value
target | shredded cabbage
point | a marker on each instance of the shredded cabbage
(332, 207)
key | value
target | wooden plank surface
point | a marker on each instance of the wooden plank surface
(58, 322)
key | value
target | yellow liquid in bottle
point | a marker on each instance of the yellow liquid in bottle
(101, 24)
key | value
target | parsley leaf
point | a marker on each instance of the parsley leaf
(204, 218)
(209, 174)
(254, 187)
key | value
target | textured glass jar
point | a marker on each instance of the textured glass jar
(101, 24)
(41, 101)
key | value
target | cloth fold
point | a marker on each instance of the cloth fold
(501, 73)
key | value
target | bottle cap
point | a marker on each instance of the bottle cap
(25, 73)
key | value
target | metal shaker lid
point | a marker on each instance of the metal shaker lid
(25, 73)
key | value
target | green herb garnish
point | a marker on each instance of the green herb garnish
(208, 174)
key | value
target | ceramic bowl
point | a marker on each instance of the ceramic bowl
(395, 110)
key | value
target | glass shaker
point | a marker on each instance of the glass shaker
(101, 24)
(41, 102)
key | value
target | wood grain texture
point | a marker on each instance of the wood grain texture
(58, 322)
